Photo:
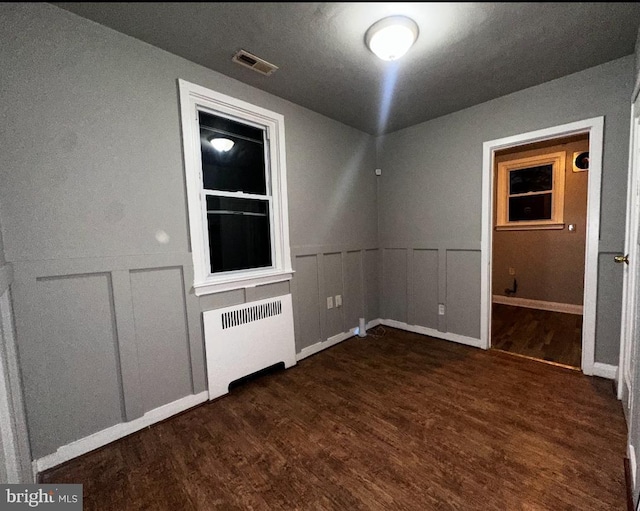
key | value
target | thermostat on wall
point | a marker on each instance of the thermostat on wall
(581, 161)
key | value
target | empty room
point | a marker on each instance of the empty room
(319, 256)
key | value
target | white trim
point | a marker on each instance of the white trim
(373, 323)
(605, 370)
(558, 163)
(242, 283)
(192, 98)
(447, 336)
(332, 341)
(630, 276)
(595, 128)
(568, 308)
(323, 345)
(106, 436)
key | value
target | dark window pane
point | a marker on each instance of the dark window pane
(238, 169)
(530, 207)
(532, 179)
(239, 234)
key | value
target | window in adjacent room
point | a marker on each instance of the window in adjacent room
(530, 193)
(236, 187)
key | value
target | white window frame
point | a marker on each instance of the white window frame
(193, 98)
(558, 161)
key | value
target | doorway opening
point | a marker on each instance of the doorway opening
(539, 237)
(540, 230)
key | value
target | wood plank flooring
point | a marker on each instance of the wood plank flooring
(401, 422)
(551, 336)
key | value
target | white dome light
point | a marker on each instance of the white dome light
(390, 38)
(222, 144)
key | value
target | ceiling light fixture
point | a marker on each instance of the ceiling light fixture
(222, 144)
(390, 38)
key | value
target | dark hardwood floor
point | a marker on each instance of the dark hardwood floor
(400, 422)
(552, 336)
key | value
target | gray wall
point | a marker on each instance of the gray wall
(430, 192)
(549, 263)
(92, 173)
(2, 258)
(91, 170)
(636, 88)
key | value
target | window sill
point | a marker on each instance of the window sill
(235, 282)
(529, 227)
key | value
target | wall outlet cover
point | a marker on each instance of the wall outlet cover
(512, 271)
(441, 309)
(338, 301)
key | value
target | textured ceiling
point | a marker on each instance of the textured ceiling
(466, 53)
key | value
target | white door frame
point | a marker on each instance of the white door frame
(595, 128)
(630, 280)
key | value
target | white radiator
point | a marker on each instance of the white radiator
(244, 339)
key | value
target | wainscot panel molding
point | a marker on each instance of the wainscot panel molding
(82, 326)
(79, 447)
(419, 279)
(321, 272)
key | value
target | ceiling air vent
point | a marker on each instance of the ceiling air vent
(249, 60)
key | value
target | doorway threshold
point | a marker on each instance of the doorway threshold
(549, 362)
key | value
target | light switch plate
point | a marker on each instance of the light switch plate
(330, 302)
(338, 300)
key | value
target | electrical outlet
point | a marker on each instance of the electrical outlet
(512, 271)
(338, 300)
(330, 302)
(441, 309)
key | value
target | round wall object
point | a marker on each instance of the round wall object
(581, 161)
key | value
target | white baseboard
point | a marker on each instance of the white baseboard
(605, 370)
(332, 341)
(106, 436)
(323, 345)
(373, 323)
(447, 336)
(567, 308)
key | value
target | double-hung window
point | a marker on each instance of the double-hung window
(235, 168)
(530, 193)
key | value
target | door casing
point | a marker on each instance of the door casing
(594, 127)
